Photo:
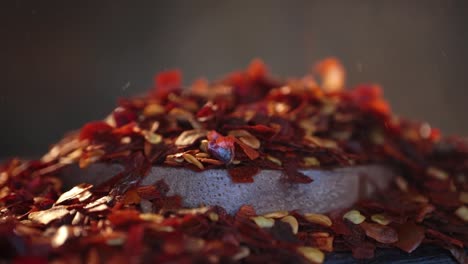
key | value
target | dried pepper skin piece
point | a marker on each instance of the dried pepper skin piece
(444, 238)
(166, 83)
(356, 241)
(123, 116)
(293, 175)
(382, 234)
(94, 129)
(339, 226)
(122, 217)
(148, 192)
(251, 85)
(410, 236)
(243, 174)
(369, 98)
(249, 151)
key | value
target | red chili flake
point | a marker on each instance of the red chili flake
(446, 199)
(213, 135)
(286, 131)
(123, 116)
(43, 203)
(122, 217)
(366, 93)
(240, 81)
(134, 243)
(131, 197)
(294, 175)
(397, 155)
(444, 238)
(437, 185)
(435, 134)
(243, 174)
(168, 202)
(369, 98)
(245, 212)
(381, 233)
(148, 192)
(379, 106)
(125, 130)
(338, 224)
(207, 112)
(159, 152)
(324, 243)
(250, 152)
(257, 69)
(356, 241)
(173, 245)
(167, 82)
(139, 163)
(425, 210)
(94, 129)
(410, 236)
(30, 260)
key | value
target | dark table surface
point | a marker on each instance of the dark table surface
(424, 254)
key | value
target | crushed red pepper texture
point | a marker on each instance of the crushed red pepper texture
(246, 122)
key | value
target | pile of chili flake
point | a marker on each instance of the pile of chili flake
(245, 122)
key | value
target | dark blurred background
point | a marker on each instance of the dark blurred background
(66, 62)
